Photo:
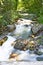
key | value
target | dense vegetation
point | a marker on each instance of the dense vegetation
(9, 10)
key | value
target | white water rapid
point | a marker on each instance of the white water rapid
(6, 49)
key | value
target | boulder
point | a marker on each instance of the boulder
(11, 28)
(39, 58)
(3, 40)
(38, 52)
(20, 44)
(25, 44)
(32, 45)
(39, 39)
(36, 28)
(13, 55)
(3, 29)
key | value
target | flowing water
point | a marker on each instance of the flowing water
(6, 49)
(22, 31)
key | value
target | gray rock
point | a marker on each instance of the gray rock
(19, 44)
(32, 45)
(11, 28)
(38, 52)
(36, 28)
(40, 58)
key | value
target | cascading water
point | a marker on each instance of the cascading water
(22, 31)
(26, 56)
(6, 49)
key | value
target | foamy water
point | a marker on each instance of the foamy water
(22, 31)
(6, 49)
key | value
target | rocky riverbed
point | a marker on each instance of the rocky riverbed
(28, 45)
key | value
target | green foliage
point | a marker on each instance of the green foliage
(32, 6)
(40, 19)
(15, 16)
(9, 14)
(20, 5)
(3, 22)
(7, 11)
(35, 7)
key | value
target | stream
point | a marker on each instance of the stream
(22, 31)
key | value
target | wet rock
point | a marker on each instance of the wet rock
(11, 28)
(20, 44)
(36, 28)
(40, 58)
(25, 44)
(3, 40)
(40, 40)
(3, 29)
(13, 55)
(24, 21)
(38, 52)
(32, 45)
